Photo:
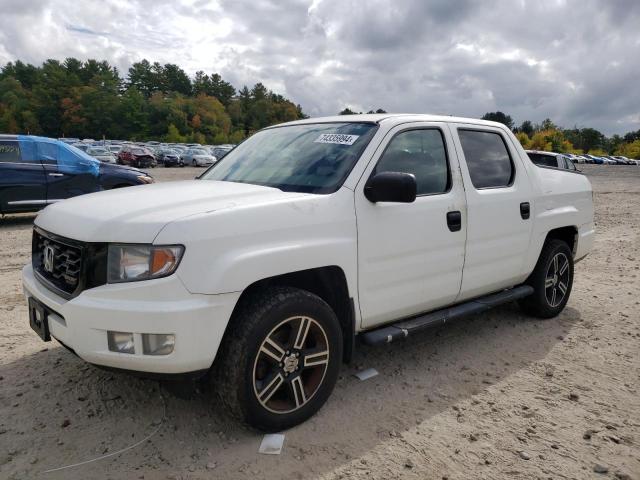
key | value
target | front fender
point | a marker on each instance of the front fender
(228, 250)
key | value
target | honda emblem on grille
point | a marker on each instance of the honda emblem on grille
(48, 253)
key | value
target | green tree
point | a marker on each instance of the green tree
(143, 78)
(90, 99)
(526, 127)
(173, 134)
(174, 79)
(499, 117)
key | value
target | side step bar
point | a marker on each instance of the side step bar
(404, 328)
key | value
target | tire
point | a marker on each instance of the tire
(551, 279)
(262, 384)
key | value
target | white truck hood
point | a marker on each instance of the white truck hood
(137, 214)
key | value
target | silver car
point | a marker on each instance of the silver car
(102, 154)
(198, 157)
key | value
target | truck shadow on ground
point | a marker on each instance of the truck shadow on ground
(81, 412)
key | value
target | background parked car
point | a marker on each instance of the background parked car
(551, 160)
(37, 171)
(170, 158)
(102, 154)
(137, 157)
(221, 150)
(81, 146)
(595, 159)
(69, 140)
(198, 157)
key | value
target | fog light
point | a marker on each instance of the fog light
(158, 344)
(121, 342)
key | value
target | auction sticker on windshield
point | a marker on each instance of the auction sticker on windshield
(337, 138)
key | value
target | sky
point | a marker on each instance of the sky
(576, 62)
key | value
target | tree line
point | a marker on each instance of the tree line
(92, 99)
(547, 136)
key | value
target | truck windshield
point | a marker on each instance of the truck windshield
(309, 158)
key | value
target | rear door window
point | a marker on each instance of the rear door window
(10, 151)
(488, 159)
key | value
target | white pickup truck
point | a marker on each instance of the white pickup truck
(264, 271)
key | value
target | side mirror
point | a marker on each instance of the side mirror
(391, 187)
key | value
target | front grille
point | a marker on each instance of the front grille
(57, 262)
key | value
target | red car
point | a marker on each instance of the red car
(136, 157)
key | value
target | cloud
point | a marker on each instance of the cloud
(575, 62)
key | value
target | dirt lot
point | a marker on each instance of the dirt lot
(494, 396)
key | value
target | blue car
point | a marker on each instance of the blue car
(595, 159)
(38, 171)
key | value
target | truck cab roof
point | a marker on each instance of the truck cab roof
(395, 118)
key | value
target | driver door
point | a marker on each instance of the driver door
(67, 176)
(410, 255)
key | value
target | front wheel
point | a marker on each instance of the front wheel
(552, 280)
(281, 358)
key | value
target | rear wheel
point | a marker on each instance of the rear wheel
(281, 358)
(194, 163)
(552, 280)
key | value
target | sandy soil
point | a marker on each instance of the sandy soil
(494, 396)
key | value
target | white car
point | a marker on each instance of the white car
(102, 154)
(304, 238)
(198, 157)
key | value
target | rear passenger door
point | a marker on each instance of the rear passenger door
(23, 186)
(499, 202)
(410, 255)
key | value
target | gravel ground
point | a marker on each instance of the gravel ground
(494, 396)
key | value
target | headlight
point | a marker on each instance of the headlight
(145, 178)
(130, 263)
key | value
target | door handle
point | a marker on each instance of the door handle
(454, 220)
(525, 210)
(56, 174)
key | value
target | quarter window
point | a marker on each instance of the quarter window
(487, 157)
(9, 151)
(421, 153)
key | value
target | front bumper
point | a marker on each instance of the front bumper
(155, 306)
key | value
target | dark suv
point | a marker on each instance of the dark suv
(37, 171)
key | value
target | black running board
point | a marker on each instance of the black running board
(404, 328)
